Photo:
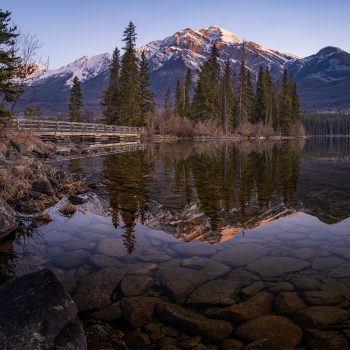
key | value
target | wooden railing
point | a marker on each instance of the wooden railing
(44, 126)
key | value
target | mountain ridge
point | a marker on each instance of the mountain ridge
(169, 59)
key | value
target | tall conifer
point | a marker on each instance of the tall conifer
(76, 101)
(8, 64)
(110, 98)
(227, 98)
(130, 94)
(147, 97)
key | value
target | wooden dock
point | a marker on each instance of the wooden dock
(51, 129)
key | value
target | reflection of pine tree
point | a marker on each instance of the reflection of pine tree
(129, 238)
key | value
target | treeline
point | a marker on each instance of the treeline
(234, 103)
(326, 123)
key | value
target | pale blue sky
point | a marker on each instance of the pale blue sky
(70, 29)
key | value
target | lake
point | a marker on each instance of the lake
(236, 231)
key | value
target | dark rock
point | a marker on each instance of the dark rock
(8, 221)
(323, 297)
(320, 316)
(138, 311)
(288, 303)
(28, 207)
(76, 200)
(95, 291)
(109, 313)
(43, 186)
(36, 195)
(20, 148)
(321, 264)
(257, 306)
(190, 343)
(231, 344)
(216, 292)
(191, 323)
(267, 344)
(325, 340)
(306, 283)
(277, 329)
(37, 313)
(253, 288)
(101, 336)
(134, 285)
(94, 185)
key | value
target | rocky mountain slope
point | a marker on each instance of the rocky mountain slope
(322, 78)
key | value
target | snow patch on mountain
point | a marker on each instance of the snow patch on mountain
(84, 68)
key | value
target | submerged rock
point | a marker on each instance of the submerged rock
(274, 266)
(189, 322)
(37, 313)
(257, 306)
(7, 219)
(277, 329)
(288, 303)
(95, 291)
(326, 340)
(320, 316)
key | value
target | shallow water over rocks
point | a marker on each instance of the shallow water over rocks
(206, 247)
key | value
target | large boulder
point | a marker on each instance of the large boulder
(37, 313)
(7, 219)
(43, 186)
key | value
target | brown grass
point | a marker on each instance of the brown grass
(67, 209)
(255, 130)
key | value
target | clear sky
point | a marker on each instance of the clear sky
(70, 29)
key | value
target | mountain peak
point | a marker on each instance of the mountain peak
(329, 50)
(216, 33)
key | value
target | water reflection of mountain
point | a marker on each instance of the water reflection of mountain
(207, 190)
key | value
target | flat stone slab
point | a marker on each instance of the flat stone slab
(191, 323)
(321, 264)
(277, 329)
(210, 267)
(325, 340)
(341, 271)
(274, 266)
(180, 282)
(306, 283)
(194, 249)
(320, 316)
(216, 292)
(112, 247)
(241, 254)
(95, 291)
(37, 313)
(257, 306)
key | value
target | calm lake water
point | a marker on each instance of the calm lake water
(273, 217)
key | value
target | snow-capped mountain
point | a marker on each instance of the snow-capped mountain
(323, 79)
(171, 57)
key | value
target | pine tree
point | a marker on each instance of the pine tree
(227, 98)
(242, 90)
(167, 105)
(8, 65)
(269, 98)
(295, 104)
(110, 98)
(146, 95)
(129, 92)
(285, 109)
(187, 90)
(206, 101)
(179, 99)
(249, 102)
(259, 102)
(75, 102)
